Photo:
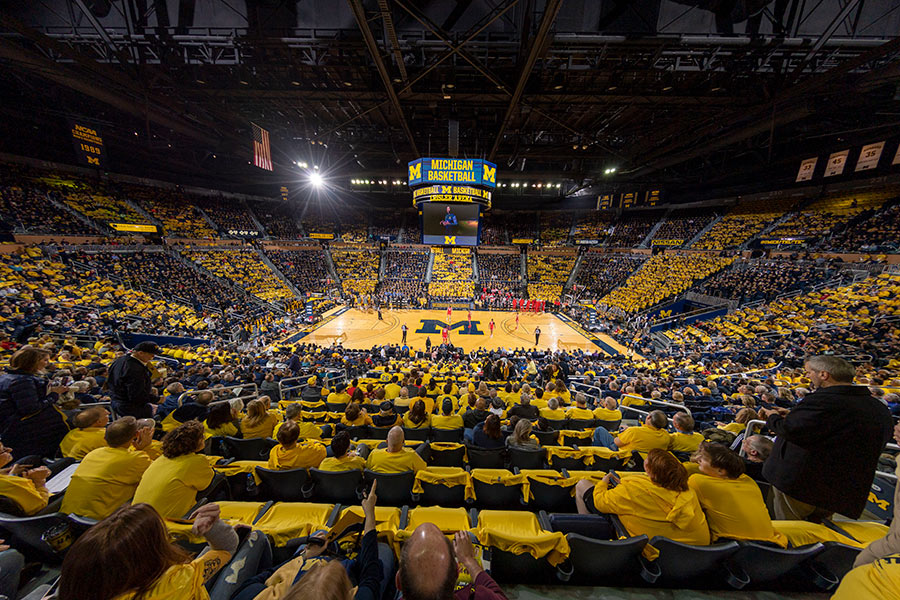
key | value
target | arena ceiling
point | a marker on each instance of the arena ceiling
(669, 92)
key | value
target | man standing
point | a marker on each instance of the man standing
(469, 321)
(827, 447)
(537, 336)
(130, 382)
(491, 327)
(517, 321)
(449, 316)
(403, 330)
(445, 335)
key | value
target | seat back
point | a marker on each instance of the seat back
(337, 487)
(335, 406)
(763, 564)
(283, 486)
(605, 562)
(527, 459)
(447, 435)
(572, 463)
(436, 494)
(546, 438)
(596, 527)
(691, 566)
(556, 424)
(482, 458)
(448, 458)
(215, 446)
(551, 497)
(420, 435)
(357, 432)
(610, 426)
(496, 495)
(394, 489)
(252, 449)
(379, 433)
(580, 424)
(608, 464)
(837, 558)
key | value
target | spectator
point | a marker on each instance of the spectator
(23, 486)
(260, 421)
(890, 543)
(289, 454)
(342, 459)
(396, 458)
(130, 382)
(416, 417)
(488, 434)
(685, 439)
(521, 439)
(447, 420)
(90, 427)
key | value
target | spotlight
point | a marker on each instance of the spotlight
(315, 179)
(558, 185)
(667, 88)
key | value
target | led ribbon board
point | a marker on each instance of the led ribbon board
(451, 193)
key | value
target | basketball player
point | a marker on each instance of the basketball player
(445, 335)
(403, 330)
(449, 314)
(469, 321)
(517, 321)
(491, 327)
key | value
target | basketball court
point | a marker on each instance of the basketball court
(361, 328)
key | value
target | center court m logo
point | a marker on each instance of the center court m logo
(435, 326)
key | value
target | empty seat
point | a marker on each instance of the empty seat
(379, 433)
(252, 449)
(549, 490)
(420, 435)
(284, 521)
(496, 488)
(447, 435)
(520, 549)
(526, 459)
(394, 489)
(562, 457)
(758, 565)
(27, 535)
(338, 487)
(482, 458)
(285, 486)
(576, 437)
(610, 426)
(597, 557)
(683, 565)
(447, 454)
(546, 438)
(442, 486)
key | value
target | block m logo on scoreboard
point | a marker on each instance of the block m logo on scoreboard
(415, 171)
(435, 326)
(450, 240)
(490, 173)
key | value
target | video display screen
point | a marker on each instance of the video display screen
(450, 224)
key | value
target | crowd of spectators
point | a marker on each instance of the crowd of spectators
(242, 267)
(494, 229)
(600, 272)
(100, 203)
(173, 208)
(306, 268)
(278, 219)
(744, 221)
(357, 268)
(547, 274)
(404, 277)
(630, 230)
(227, 214)
(388, 223)
(451, 275)
(405, 264)
(555, 227)
(764, 279)
(592, 225)
(684, 224)
(28, 206)
(824, 214)
(661, 277)
(871, 231)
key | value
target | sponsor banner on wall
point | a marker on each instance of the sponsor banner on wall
(587, 242)
(836, 163)
(795, 241)
(666, 242)
(322, 236)
(133, 227)
(807, 168)
(869, 156)
(523, 240)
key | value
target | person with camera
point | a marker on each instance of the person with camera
(30, 421)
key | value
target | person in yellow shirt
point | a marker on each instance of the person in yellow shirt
(447, 420)
(552, 411)
(733, 503)
(608, 410)
(564, 395)
(402, 400)
(355, 416)
(580, 410)
(391, 390)
(661, 503)
(339, 397)
(743, 416)
(259, 422)
(148, 565)
(198, 408)
(417, 417)
(396, 458)
(90, 427)
(289, 454)
(685, 439)
(343, 459)
(107, 477)
(308, 431)
(171, 483)
(652, 434)
(877, 580)
(220, 422)
(25, 486)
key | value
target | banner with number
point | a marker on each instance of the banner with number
(807, 168)
(284, 193)
(88, 144)
(869, 156)
(836, 163)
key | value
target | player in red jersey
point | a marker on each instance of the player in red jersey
(445, 334)
(517, 321)
(491, 327)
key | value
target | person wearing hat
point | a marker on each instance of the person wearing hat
(130, 382)
(386, 416)
(312, 392)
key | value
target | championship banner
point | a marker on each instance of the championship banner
(88, 144)
(133, 227)
(452, 170)
(807, 168)
(284, 193)
(869, 156)
(604, 202)
(652, 197)
(836, 163)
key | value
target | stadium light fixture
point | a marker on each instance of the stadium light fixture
(315, 179)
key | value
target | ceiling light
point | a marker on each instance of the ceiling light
(667, 88)
(315, 179)
(716, 89)
(612, 88)
(574, 146)
(584, 147)
(558, 86)
(348, 83)
(450, 86)
(295, 82)
(200, 81)
(242, 82)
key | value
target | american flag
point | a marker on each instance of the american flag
(262, 153)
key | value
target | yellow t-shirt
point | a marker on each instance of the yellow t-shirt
(302, 456)
(604, 414)
(345, 463)
(880, 579)
(735, 509)
(442, 422)
(362, 419)
(170, 485)
(554, 415)
(644, 507)
(685, 442)
(391, 391)
(338, 398)
(24, 493)
(78, 442)
(186, 581)
(105, 480)
(307, 430)
(382, 461)
(224, 430)
(734, 427)
(263, 429)
(643, 439)
(407, 422)
(579, 413)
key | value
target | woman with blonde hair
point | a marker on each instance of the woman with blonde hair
(521, 438)
(259, 422)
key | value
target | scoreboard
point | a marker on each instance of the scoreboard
(453, 170)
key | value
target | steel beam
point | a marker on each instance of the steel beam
(360, 14)
(388, 19)
(537, 49)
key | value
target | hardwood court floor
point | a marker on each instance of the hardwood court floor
(357, 328)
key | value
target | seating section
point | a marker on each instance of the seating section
(500, 274)
(592, 225)
(631, 230)
(243, 267)
(547, 273)
(357, 268)
(764, 279)
(228, 215)
(662, 277)
(870, 231)
(305, 268)
(493, 229)
(386, 224)
(555, 227)
(684, 225)
(101, 205)
(600, 272)
(174, 209)
(404, 276)
(451, 274)
(743, 222)
(278, 219)
(24, 206)
(825, 214)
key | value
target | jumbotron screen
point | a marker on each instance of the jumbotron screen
(450, 224)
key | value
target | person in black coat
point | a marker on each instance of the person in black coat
(30, 422)
(130, 383)
(827, 447)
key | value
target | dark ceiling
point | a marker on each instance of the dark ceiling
(670, 93)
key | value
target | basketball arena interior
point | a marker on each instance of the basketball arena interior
(449, 299)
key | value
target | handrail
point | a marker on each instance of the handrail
(681, 407)
(778, 366)
(748, 432)
(218, 390)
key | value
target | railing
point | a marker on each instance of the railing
(241, 396)
(749, 431)
(298, 382)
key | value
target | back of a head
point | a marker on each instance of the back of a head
(658, 419)
(395, 439)
(665, 470)
(610, 403)
(580, 400)
(492, 426)
(351, 413)
(417, 412)
(447, 407)
(121, 431)
(480, 404)
(288, 433)
(324, 581)
(721, 457)
(88, 417)
(340, 443)
(522, 432)
(184, 439)
(552, 403)
(292, 411)
(427, 565)
(204, 398)
(762, 445)
(684, 422)
(838, 369)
